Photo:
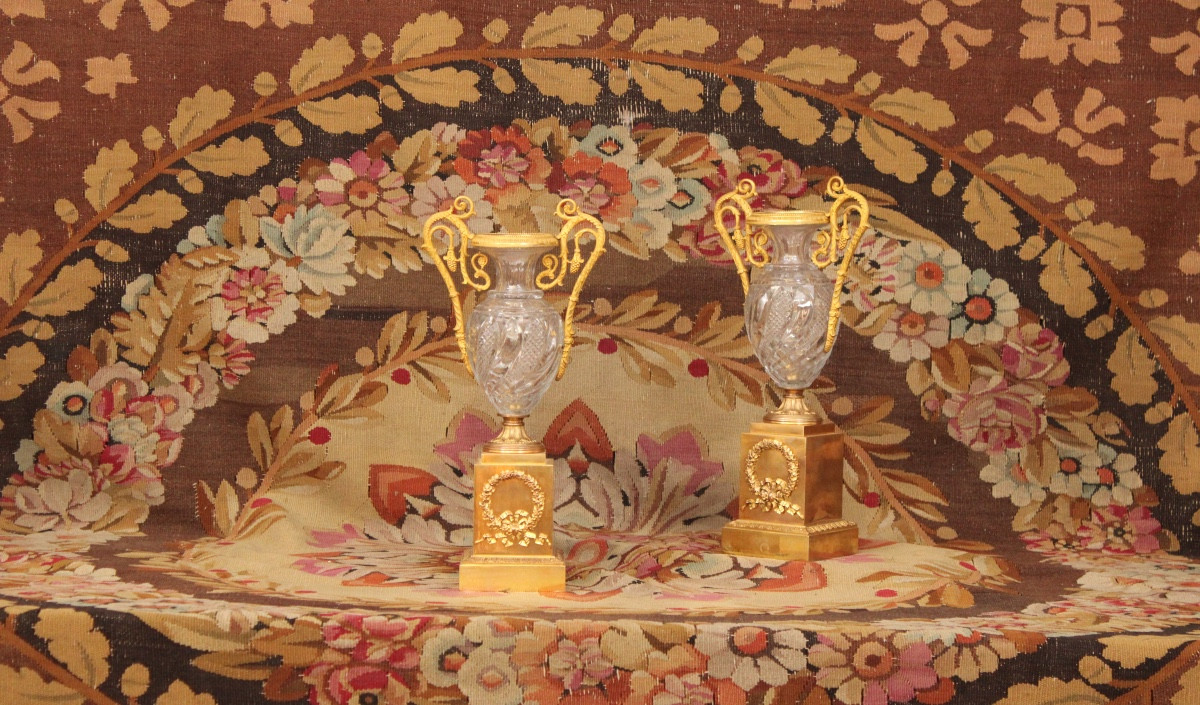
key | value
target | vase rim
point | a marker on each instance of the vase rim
(515, 240)
(793, 217)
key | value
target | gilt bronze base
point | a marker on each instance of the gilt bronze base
(790, 494)
(514, 525)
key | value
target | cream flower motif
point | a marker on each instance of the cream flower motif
(688, 689)
(1179, 123)
(909, 335)
(1079, 28)
(872, 279)
(989, 310)
(21, 67)
(283, 12)
(68, 502)
(1109, 477)
(932, 279)
(437, 194)
(1009, 478)
(488, 676)
(751, 655)
(70, 400)
(614, 144)
(315, 242)
(874, 667)
(934, 17)
(255, 302)
(364, 191)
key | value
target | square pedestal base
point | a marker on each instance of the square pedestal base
(790, 542)
(512, 573)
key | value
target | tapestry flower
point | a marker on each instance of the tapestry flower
(750, 655)
(230, 357)
(614, 144)
(909, 335)
(314, 241)
(989, 310)
(1179, 124)
(1033, 352)
(16, 8)
(156, 11)
(366, 655)
(70, 502)
(256, 302)
(1010, 479)
(1108, 476)
(21, 67)
(934, 17)
(283, 12)
(994, 416)
(70, 400)
(872, 279)
(600, 187)
(973, 654)
(873, 668)
(686, 689)
(364, 191)
(688, 202)
(280, 201)
(503, 160)
(932, 279)
(1121, 530)
(489, 676)
(437, 194)
(1079, 28)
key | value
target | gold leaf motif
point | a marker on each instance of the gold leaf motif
(326, 60)
(72, 639)
(571, 84)
(233, 157)
(676, 35)
(425, 35)
(891, 153)
(446, 86)
(70, 290)
(180, 694)
(731, 98)
(1182, 337)
(25, 685)
(674, 89)
(817, 65)
(198, 114)
(18, 368)
(791, 114)
(111, 171)
(564, 26)
(1181, 454)
(991, 214)
(160, 209)
(1133, 369)
(1033, 175)
(346, 113)
(1066, 281)
(1131, 651)
(916, 108)
(19, 253)
(1114, 244)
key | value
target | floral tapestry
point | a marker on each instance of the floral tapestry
(238, 435)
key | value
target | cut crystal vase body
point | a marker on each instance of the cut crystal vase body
(514, 337)
(787, 309)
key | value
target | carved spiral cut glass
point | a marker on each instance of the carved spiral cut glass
(787, 306)
(514, 337)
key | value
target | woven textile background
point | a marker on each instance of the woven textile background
(237, 435)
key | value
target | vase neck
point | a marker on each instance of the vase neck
(793, 244)
(516, 270)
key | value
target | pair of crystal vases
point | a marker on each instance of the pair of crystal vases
(515, 344)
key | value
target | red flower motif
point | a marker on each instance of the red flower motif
(500, 158)
(995, 416)
(600, 188)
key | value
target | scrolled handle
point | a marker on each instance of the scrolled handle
(838, 242)
(577, 225)
(470, 265)
(744, 246)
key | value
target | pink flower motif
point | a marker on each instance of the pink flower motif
(72, 501)
(875, 278)
(355, 685)
(253, 294)
(994, 416)
(874, 668)
(231, 358)
(909, 335)
(580, 664)
(1032, 352)
(688, 689)
(500, 158)
(600, 187)
(366, 655)
(256, 302)
(364, 191)
(1121, 530)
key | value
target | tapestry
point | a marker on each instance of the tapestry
(237, 433)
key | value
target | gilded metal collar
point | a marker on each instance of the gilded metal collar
(515, 240)
(787, 218)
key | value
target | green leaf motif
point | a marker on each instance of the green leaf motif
(674, 89)
(1034, 176)
(1114, 244)
(446, 86)
(991, 214)
(814, 64)
(916, 108)
(572, 85)
(565, 26)
(791, 114)
(892, 153)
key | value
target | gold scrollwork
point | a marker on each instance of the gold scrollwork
(837, 241)
(771, 494)
(744, 245)
(513, 527)
(576, 226)
(471, 265)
